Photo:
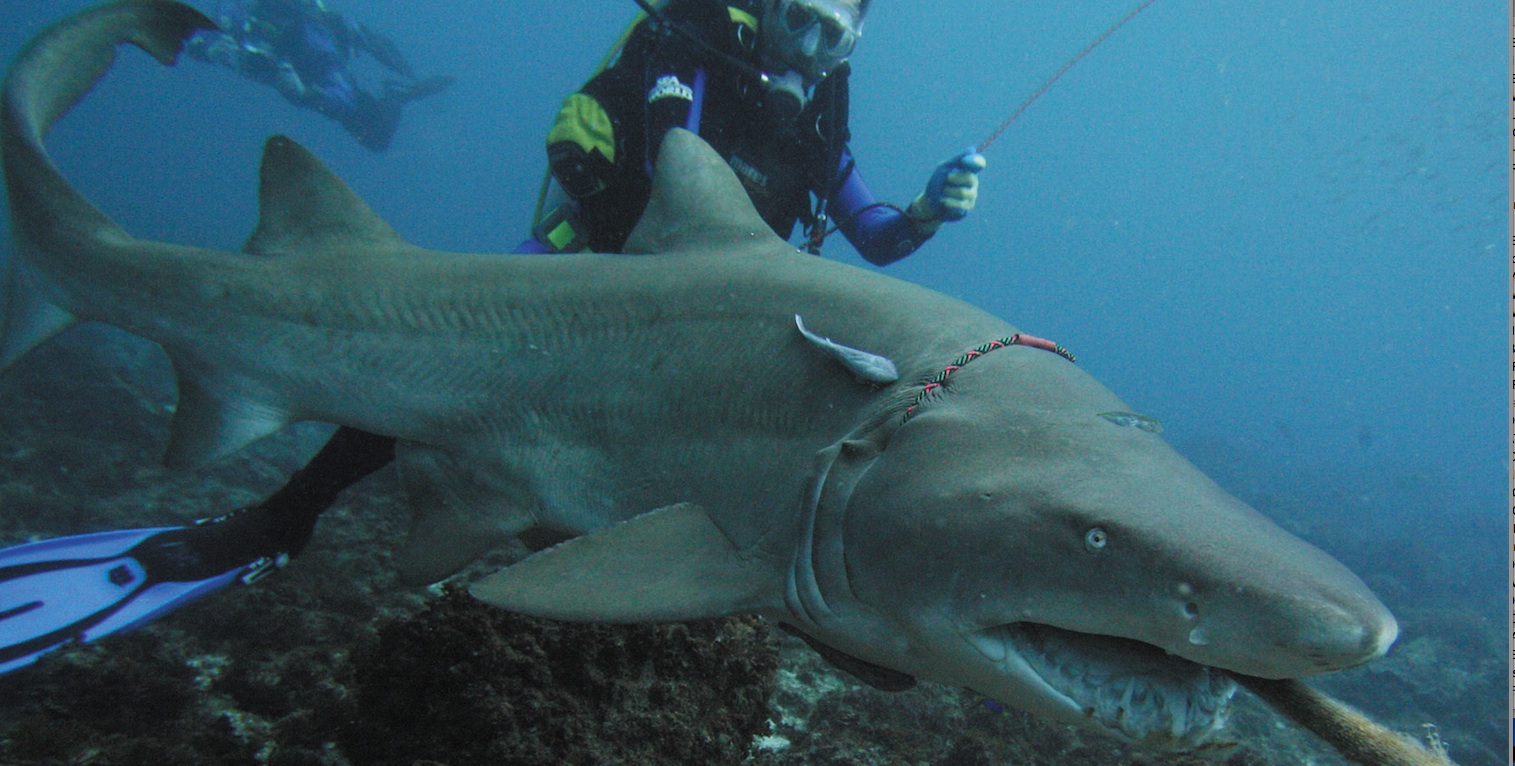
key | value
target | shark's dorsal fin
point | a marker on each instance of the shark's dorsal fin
(670, 564)
(696, 201)
(303, 204)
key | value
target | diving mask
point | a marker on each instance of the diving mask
(813, 36)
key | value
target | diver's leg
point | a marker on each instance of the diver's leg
(410, 90)
(348, 456)
(383, 50)
(280, 527)
(371, 121)
(85, 587)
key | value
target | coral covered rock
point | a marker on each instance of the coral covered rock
(464, 683)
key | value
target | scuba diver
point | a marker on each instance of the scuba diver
(763, 81)
(304, 51)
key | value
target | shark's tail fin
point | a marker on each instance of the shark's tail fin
(50, 75)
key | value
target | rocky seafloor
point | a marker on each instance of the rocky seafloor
(331, 662)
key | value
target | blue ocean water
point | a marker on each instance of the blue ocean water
(1276, 227)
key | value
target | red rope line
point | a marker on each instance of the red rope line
(1054, 78)
(939, 380)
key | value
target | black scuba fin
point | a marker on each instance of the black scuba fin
(85, 587)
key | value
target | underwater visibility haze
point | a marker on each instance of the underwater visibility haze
(1275, 229)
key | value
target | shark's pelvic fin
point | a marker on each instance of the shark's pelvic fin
(440, 543)
(696, 202)
(303, 204)
(866, 367)
(667, 565)
(462, 509)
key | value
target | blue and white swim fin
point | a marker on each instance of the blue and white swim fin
(85, 587)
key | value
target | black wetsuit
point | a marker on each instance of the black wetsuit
(793, 166)
(780, 164)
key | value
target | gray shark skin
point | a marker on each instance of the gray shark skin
(705, 457)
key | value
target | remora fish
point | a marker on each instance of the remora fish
(706, 457)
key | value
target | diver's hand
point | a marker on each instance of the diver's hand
(952, 190)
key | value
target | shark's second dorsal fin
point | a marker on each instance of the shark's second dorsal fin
(302, 203)
(696, 201)
(215, 419)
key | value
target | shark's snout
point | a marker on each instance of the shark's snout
(1340, 636)
(1378, 639)
(1289, 631)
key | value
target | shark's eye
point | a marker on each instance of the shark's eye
(1095, 539)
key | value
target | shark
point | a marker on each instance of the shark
(713, 424)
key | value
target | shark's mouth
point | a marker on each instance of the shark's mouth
(1131, 689)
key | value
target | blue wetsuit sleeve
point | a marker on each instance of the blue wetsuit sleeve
(881, 233)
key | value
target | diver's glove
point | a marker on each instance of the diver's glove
(951, 192)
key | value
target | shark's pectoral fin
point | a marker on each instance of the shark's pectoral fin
(303, 204)
(865, 366)
(212, 421)
(673, 563)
